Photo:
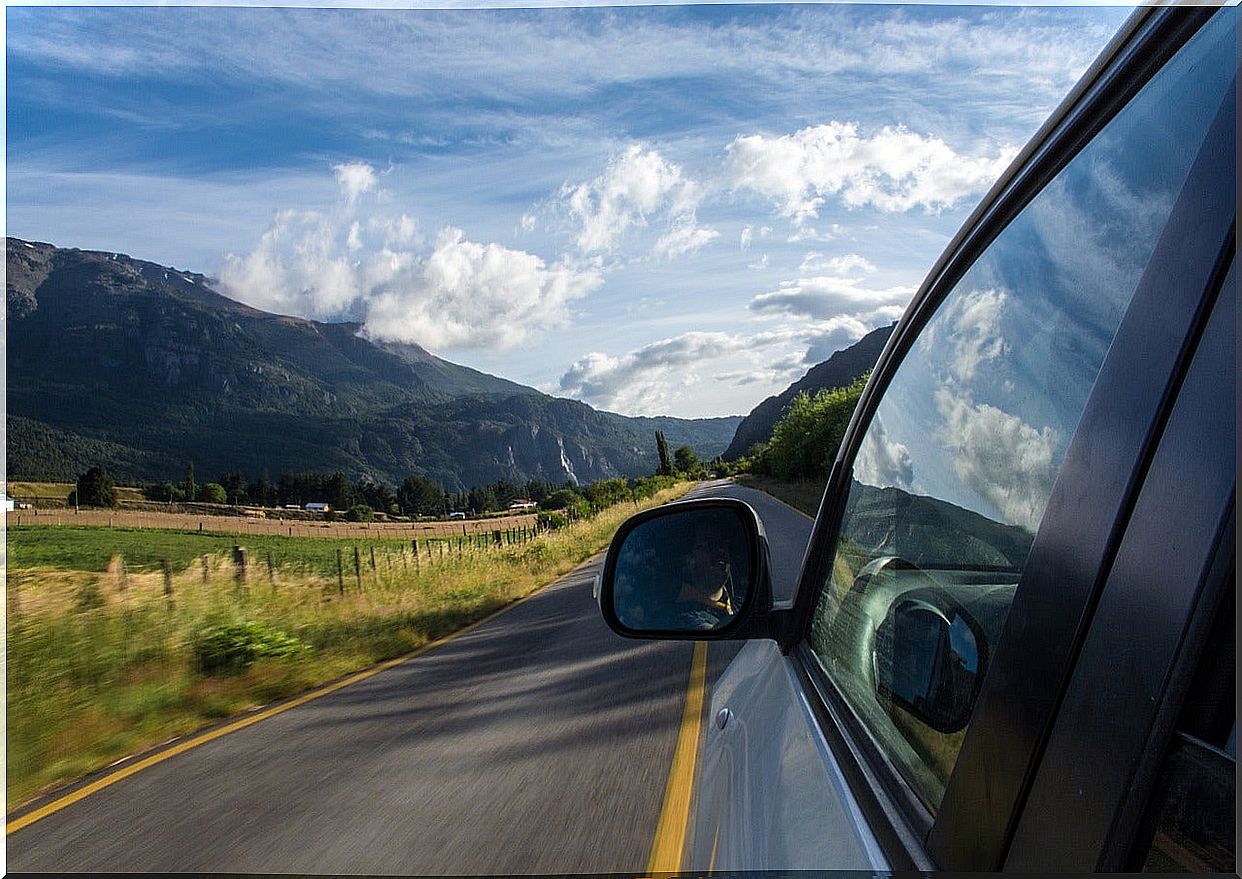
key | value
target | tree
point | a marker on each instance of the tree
(419, 496)
(189, 488)
(687, 462)
(234, 486)
(805, 441)
(213, 493)
(162, 491)
(666, 463)
(95, 489)
(262, 492)
(359, 513)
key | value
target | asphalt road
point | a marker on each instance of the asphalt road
(538, 742)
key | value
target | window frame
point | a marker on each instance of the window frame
(954, 838)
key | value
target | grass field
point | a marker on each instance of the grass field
(23, 490)
(72, 548)
(104, 662)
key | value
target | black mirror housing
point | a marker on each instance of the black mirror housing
(692, 570)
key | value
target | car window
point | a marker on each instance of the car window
(956, 466)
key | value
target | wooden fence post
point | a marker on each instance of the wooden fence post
(271, 570)
(168, 590)
(124, 575)
(358, 568)
(496, 537)
(340, 572)
(205, 569)
(373, 560)
(239, 565)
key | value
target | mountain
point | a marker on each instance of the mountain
(837, 371)
(141, 368)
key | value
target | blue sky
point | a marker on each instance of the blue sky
(656, 209)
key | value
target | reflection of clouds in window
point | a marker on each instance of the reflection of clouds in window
(1101, 230)
(883, 462)
(975, 338)
(1002, 459)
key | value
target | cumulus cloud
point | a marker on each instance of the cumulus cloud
(893, 170)
(999, 457)
(467, 294)
(882, 461)
(641, 381)
(823, 297)
(976, 337)
(354, 178)
(636, 186)
(332, 265)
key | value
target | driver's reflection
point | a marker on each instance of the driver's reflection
(705, 595)
(676, 578)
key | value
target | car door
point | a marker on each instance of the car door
(983, 490)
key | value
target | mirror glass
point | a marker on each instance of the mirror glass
(686, 571)
(927, 664)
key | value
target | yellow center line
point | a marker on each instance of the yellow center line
(670, 838)
(112, 778)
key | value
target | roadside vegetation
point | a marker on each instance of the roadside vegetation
(109, 653)
(794, 464)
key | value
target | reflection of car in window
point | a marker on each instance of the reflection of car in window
(1011, 644)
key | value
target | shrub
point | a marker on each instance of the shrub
(561, 500)
(213, 493)
(359, 513)
(805, 441)
(552, 520)
(224, 646)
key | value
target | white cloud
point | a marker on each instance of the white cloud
(528, 222)
(823, 297)
(999, 457)
(883, 462)
(976, 337)
(745, 238)
(462, 294)
(467, 294)
(846, 264)
(642, 381)
(683, 239)
(354, 178)
(635, 186)
(760, 263)
(894, 170)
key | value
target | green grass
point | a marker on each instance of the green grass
(74, 548)
(102, 665)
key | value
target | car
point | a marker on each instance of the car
(1011, 644)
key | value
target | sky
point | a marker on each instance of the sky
(655, 209)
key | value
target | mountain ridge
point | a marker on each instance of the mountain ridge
(149, 367)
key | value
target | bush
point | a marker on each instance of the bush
(552, 520)
(163, 491)
(95, 489)
(805, 441)
(359, 513)
(213, 493)
(561, 500)
(224, 646)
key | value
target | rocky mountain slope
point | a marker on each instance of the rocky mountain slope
(836, 372)
(142, 368)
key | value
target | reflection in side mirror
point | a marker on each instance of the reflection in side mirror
(682, 569)
(927, 663)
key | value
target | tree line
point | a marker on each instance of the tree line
(359, 499)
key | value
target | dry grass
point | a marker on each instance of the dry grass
(103, 664)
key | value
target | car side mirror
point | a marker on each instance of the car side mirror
(929, 660)
(691, 570)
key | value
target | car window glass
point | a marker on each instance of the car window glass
(950, 483)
